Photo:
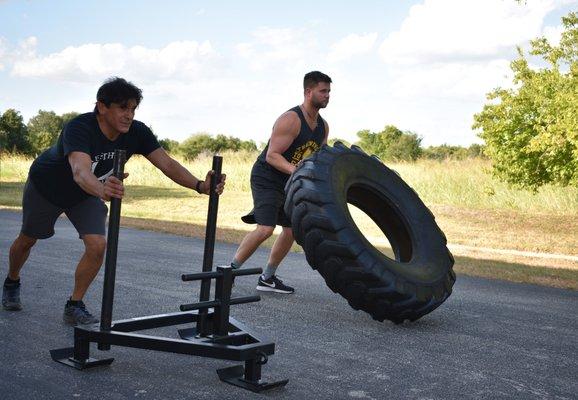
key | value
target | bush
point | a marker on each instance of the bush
(391, 144)
(531, 131)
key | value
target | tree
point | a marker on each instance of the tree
(43, 130)
(171, 146)
(331, 142)
(66, 117)
(448, 152)
(248, 145)
(13, 132)
(391, 144)
(531, 131)
(199, 142)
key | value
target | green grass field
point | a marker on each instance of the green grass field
(470, 206)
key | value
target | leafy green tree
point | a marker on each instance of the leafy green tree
(201, 142)
(445, 152)
(43, 130)
(171, 146)
(13, 133)
(332, 141)
(476, 151)
(448, 152)
(66, 117)
(248, 145)
(531, 131)
(391, 144)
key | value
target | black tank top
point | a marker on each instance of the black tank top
(306, 143)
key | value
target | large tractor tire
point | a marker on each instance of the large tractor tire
(416, 282)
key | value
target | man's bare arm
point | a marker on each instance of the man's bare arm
(326, 132)
(285, 130)
(179, 174)
(82, 174)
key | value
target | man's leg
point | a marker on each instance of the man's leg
(88, 217)
(38, 219)
(19, 252)
(251, 242)
(89, 264)
(280, 249)
(268, 282)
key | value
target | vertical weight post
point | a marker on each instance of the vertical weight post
(111, 250)
(202, 328)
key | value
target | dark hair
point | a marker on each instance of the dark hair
(118, 90)
(313, 78)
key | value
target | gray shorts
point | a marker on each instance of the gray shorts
(268, 198)
(39, 215)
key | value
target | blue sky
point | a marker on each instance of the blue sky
(233, 67)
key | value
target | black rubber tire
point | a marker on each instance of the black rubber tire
(421, 276)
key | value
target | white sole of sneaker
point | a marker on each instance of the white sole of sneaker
(268, 289)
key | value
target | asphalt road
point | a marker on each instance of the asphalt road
(490, 340)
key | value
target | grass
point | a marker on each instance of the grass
(471, 207)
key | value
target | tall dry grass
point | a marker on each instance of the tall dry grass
(467, 184)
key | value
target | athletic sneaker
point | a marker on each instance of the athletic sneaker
(11, 297)
(273, 284)
(78, 314)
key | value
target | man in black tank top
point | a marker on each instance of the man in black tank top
(297, 133)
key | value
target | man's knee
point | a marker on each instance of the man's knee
(288, 232)
(95, 245)
(264, 232)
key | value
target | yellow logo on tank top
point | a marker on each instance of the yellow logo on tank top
(304, 151)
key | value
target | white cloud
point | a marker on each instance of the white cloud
(457, 30)
(352, 45)
(278, 49)
(448, 54)
(177, 60)
(553, 34)
(454, 80)
(462, 49)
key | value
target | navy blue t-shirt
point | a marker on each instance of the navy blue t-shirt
(51, 172)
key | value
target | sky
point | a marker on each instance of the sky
(232, 67)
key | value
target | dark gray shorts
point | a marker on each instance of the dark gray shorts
(39, 215)
(268, 199)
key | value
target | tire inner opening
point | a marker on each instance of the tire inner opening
(386, 216)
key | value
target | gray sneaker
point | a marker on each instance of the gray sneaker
(11, 297)
(78, 315)
(273, 284)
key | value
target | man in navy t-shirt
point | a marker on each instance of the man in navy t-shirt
(75, 176)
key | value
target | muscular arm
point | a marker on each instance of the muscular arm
(172, 168)
(326, 132)
(82, 174)
(285, 130)
(179, 174)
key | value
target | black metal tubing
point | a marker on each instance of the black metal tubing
(202, 347)
(235, 339)
(215, 274)
(210, 234)
(200, 275)
(111, 248)
(203, 305)
(154, 321)
(223, 288)
(247, 271)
